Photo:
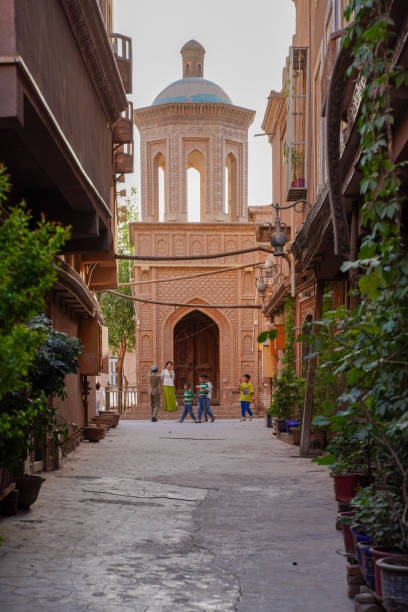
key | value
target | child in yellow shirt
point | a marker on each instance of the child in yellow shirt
(246, 394)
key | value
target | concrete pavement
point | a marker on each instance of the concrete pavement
(169, 516)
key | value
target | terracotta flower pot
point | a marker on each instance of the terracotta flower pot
(349, 544)
(94, 434)
(380, 552)
(394, 578)
(345, 486)
(103, 420)
(29, 486)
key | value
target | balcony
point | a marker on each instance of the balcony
(123, 128)
(122, 50)
(295, 147)
(60, 99)
(123, 159)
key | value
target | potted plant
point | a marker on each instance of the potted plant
(377, 510)
(55, 357)
(345, 521)
(394, 578)
(28, 486)
(296, 157)
(93, 433)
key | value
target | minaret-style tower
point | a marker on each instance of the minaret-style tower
(192, 123)
(193, 59)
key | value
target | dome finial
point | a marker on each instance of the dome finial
(193, 59)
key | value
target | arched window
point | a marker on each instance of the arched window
(226, 190)
(199, 68)
(231, 204)
(159, 187)
(187, 68)
(195, 179)
(161, 194)
(193, 195)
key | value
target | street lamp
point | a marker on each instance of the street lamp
(261, 284)
(278, 236)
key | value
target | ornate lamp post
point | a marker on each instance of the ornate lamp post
(278, 237)
(261, 284)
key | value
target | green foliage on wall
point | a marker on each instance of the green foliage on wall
(34, 359)
(118, 313)
(288, 389)
(27, 272)
(371, 351)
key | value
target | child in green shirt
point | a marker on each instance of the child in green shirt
(246, 394)
(188, 403)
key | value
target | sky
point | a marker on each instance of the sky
(246, 45)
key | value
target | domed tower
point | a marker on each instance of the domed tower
(193, 59)
(193, 123)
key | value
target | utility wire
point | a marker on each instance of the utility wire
(197, 305)
(184, 257)
(174, 278)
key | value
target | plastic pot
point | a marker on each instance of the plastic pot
(394, 578)
(359, 537)
(380, 552)
(367, 565)
(349, 544)
(290, 424)
(345, 486)
(282, 425)
(29, 486)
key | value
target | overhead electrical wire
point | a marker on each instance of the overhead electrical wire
(175, 278)
(192, 305)
(184, 257)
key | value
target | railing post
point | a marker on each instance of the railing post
(107, 397)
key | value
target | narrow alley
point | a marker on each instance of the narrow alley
(169, 516)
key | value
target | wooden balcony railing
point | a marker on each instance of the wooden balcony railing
(123, 159)
(296, 143)
(123, 128)
(122, 49)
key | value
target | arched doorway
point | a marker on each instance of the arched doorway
(196, 351)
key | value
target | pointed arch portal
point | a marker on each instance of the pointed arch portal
(196, 351)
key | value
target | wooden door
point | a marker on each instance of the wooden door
(196, 352)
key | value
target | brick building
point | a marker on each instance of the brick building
(312, 124)
(66, 137)
(193, 124)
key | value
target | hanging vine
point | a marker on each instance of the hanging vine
(372, 340)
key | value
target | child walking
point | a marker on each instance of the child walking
(203, 404)
(209, 397)
(246, 394)
(188, 403)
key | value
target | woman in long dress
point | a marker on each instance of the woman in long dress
(169, 391)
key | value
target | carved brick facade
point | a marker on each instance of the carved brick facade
(177, 133)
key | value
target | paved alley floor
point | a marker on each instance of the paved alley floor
(161, 517)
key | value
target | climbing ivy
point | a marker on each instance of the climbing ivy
(288, 389)
(372, 339)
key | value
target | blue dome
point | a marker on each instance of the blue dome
(192, 89)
